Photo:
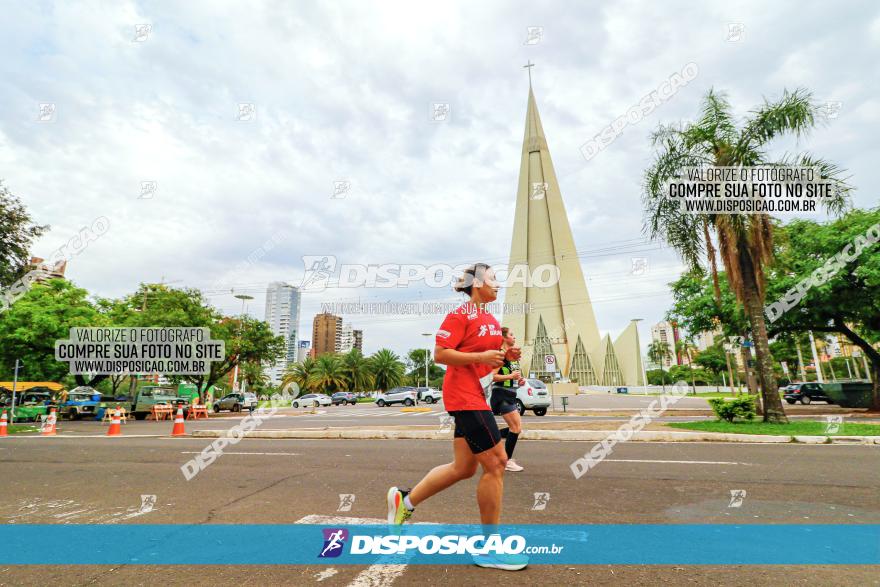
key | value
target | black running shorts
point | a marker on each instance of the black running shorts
(478, 428)
(503, 400)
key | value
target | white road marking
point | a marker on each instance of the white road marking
(66, 511)
(374, 575)
(378, 576)
(326, 574)
(286, 454)
(91, 436)
(675, 462)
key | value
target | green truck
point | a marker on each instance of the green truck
(141, 405)
(30, 406)
(150, 395)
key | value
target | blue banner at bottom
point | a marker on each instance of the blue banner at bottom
(440, 544)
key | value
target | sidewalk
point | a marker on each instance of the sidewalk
(432, 433)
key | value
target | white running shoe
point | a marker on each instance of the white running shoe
(505, 562)
(512, 466)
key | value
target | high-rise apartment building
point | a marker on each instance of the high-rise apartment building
(283, 303)
(326, 334)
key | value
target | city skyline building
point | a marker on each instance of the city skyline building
(283, 303)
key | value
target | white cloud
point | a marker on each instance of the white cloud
(342, 92)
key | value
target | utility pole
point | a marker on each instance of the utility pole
(819, 377)
(427, 355)
(244, 298)
(14, 384)
(800, 360)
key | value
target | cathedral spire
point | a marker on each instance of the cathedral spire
(542, 236)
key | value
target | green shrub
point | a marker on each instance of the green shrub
(741, 407)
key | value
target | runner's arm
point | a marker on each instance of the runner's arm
(453, 357)
(509, 377)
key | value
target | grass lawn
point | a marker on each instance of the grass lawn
(22, 428)
(799, 428)
(704, 395)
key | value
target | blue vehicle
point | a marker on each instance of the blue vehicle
(79, 402)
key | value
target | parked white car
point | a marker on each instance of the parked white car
(534, 396)
(429, 395)
(312, 400)
(399, 395)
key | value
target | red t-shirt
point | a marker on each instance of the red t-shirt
(468, 329)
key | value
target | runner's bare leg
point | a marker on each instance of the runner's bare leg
(490, 489)
(439, 478)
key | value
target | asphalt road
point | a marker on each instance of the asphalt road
(614, 408)
(101, 480)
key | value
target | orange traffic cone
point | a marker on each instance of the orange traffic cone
(48, 428)
(3, 424)
(178, 424)
(115, 425)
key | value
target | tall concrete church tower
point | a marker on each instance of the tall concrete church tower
(561, 323)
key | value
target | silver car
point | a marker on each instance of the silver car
(399, 395)
(234, 402)
(312, 400)
(533, 395)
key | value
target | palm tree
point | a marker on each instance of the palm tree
(659, 351)
(685, 347)
(300, 374)
(328, 375)
(356, 369)
(745, 241)
(387, 369)
(252, 373)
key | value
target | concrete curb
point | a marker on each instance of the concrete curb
(570, 435)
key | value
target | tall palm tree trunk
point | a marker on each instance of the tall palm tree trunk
(746, 357)
(729, 370)
(754, 306)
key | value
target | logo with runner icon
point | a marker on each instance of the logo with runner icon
(334, 540)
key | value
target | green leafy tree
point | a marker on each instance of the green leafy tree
(700, 305)
(658, 377)
(415, 362)
(30, 327)
(252, 373)
(387, 369)
(745, 241)
(156, 305)
(713, 360)
(847, 301)
(17, 233)
(247, 341)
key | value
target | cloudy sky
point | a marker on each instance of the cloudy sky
(343, 92)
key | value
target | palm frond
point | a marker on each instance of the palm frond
(840, 202)
(715, 125)
(793, 112)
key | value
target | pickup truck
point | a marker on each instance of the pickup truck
(29, 405)
(81, 402)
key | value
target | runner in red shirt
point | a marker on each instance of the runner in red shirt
(468, 343)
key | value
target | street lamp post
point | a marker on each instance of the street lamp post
(639, 350)
(14, 384)
(427, 354)
(244, 298)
